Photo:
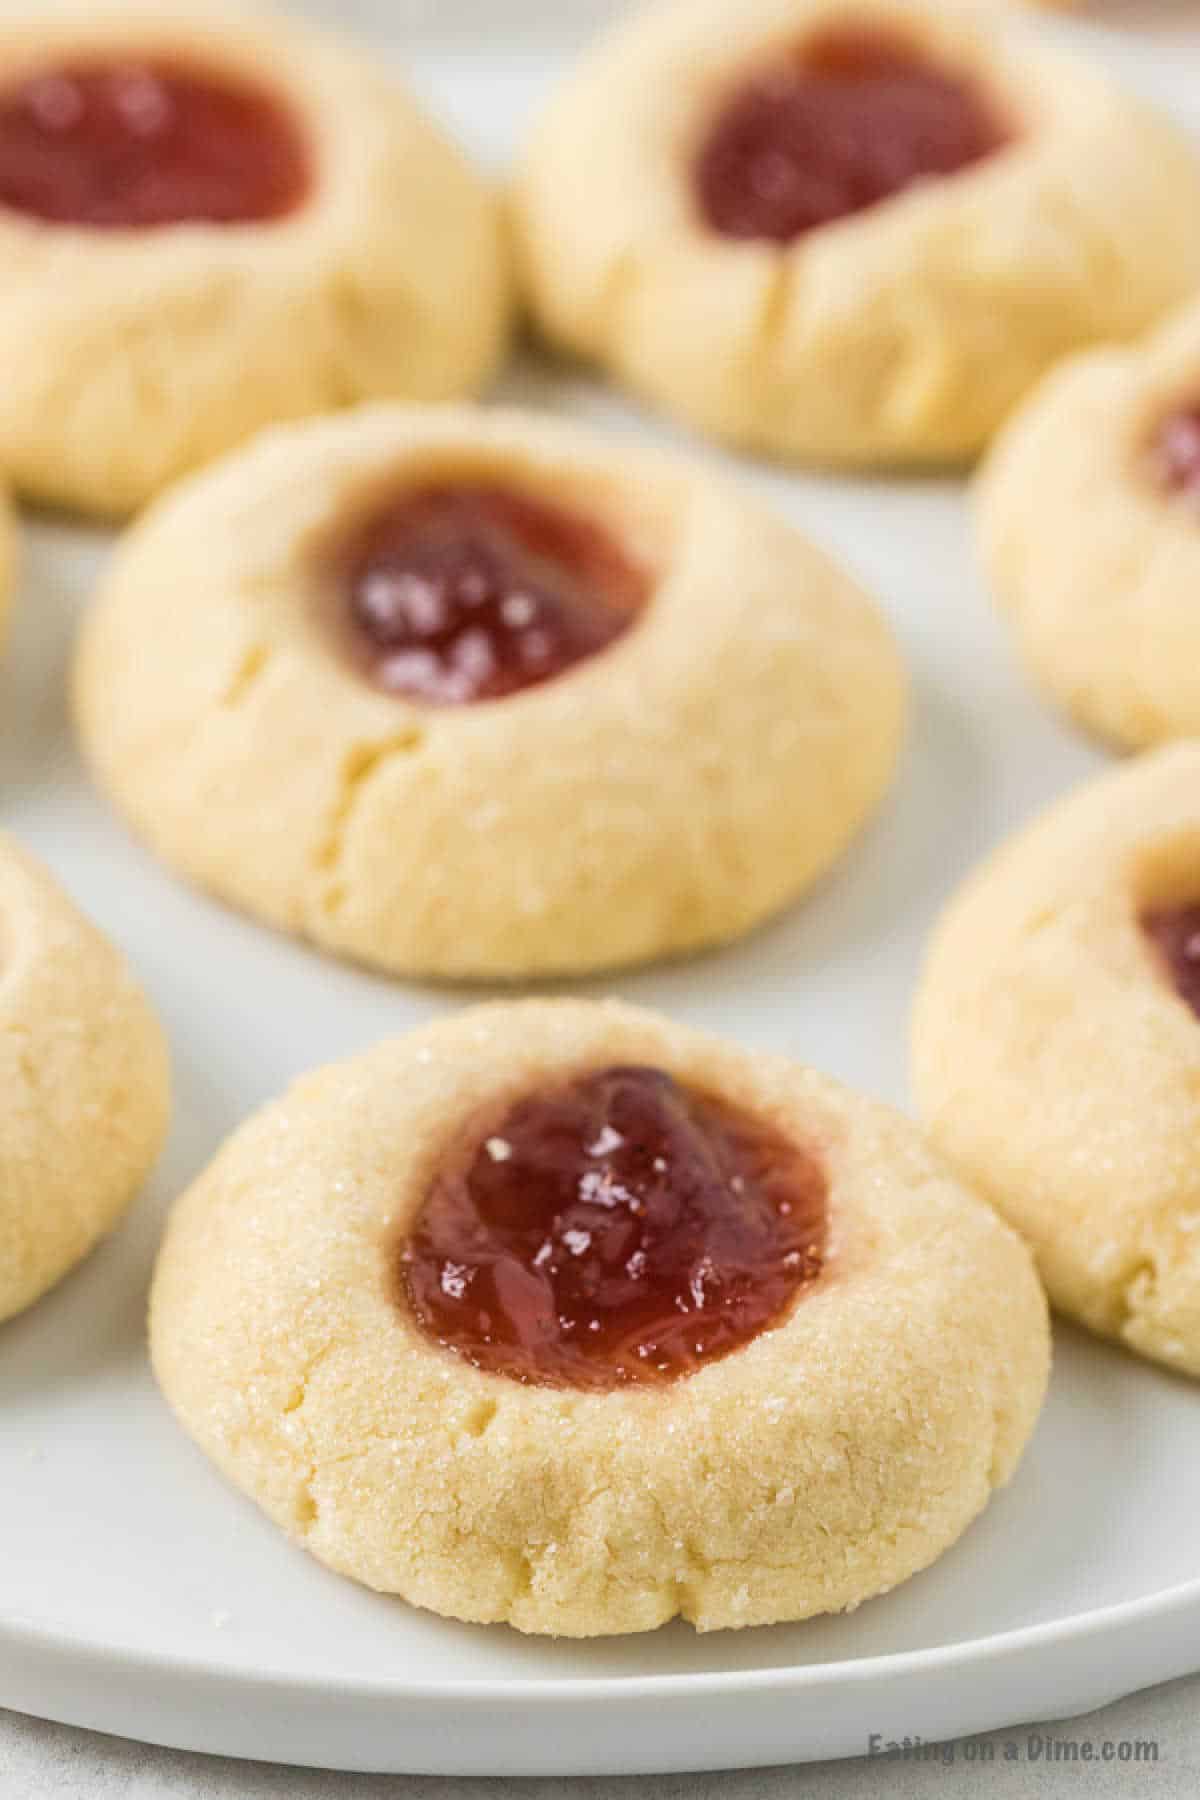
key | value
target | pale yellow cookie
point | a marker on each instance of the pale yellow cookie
(134, 353)
(1057, 1060)
(902, 333)
(839, 1450)
(666, 793)
(1089, 526)
(83, 1083)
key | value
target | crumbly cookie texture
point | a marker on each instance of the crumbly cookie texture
(902, 334)
(666, 794)
(83, 1083)
(133, 356)
(1095, 565)
(825, 1462)
(1056, 1066)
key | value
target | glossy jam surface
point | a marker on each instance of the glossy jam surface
(1175, 453)
(621, 1228)
(1174, 932)
(131, 144)
(465, 593)
(855, 116)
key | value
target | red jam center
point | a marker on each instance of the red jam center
(134, 144)
(852, 118)
(1175, 453)
(621, 1228)
(465, 593)
(1174, 933)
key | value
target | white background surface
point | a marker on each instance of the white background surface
(162, 1557)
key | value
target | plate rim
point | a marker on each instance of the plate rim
(143, 1676)
(23, 1633)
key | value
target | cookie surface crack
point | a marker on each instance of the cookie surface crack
(251, 665)
(359, 765)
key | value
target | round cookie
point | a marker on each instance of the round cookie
(982, 207)
(474, 694)
(1089, 527)
(822, 1460)
(1057, 1048)
(211, 220)
(83, 1079)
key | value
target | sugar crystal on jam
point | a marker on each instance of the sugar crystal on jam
(619, 1228)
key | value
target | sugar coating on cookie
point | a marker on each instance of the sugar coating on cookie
(1057, 1048)
(898, 215)
(479, 694)
(83, 1083)
(1089, 530)
(214, 219)
(837, 1446)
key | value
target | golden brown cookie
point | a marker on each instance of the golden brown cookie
(212, 219)
(846, 233)
(560, 1314)
(1057, 1049)
(479, 694)
(83, 1083)
(1089, 524)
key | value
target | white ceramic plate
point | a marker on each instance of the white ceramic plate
(141, 1596)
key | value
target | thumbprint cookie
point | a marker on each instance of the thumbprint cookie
(468, 694)
(1089, 523)
(559, 1314)
(1057, 1049)
(83, 1083)
(847, 231)
(210, 220)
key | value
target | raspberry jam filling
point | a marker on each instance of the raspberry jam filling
(621, 1228)
(853, 117)
(132, 143)
(465, 593)
(1175, 453)
(1174, 933)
